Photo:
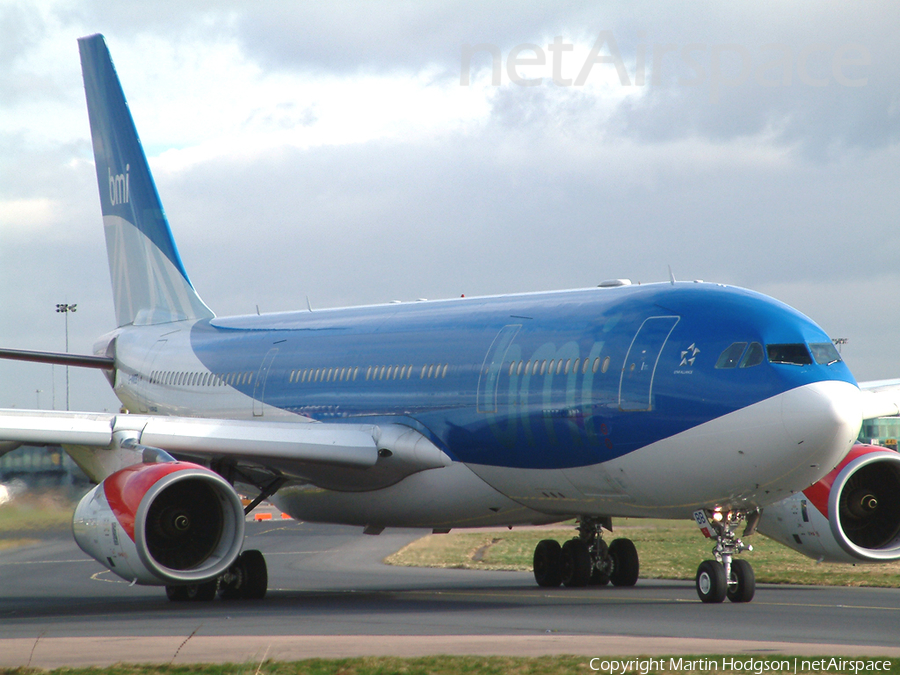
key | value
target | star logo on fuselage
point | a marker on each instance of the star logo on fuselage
(689, 355)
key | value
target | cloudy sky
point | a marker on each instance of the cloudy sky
(360, 152)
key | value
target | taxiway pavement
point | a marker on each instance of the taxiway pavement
(330, 595)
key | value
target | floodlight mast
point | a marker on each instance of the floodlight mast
(65, 308)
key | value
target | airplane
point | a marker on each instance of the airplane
(664, 400)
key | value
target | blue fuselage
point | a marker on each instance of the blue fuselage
(549, 380)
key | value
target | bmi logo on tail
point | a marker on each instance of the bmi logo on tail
(119, 192)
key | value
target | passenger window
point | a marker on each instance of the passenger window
(575, 366)
(605, 365)
(446, 368)
(824, 353)
(543, 367)
(732, 354)
(520, 367)
(753, 356)
(793, 354)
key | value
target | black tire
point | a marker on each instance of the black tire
(601, 570)
(547, 564)
(177, 593)
(575, 563)
(202, 592)
(744, 586)
(231, 591)
(257, 575)
(710, 582)
(626, 564)
(598, 578)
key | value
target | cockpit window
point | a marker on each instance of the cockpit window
(753, 356)
(824, 353)
(729, 358)
(794, 354)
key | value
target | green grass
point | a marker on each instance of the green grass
(436, 665)
(30, 512)
(667, 550)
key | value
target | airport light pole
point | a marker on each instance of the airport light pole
(65, 308)
(840, 342)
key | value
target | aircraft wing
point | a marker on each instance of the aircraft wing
(333, 445)
(880, 398)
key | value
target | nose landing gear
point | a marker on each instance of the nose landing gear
(725, 576)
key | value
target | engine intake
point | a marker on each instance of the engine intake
(851, 515)
(160, 524)
(865, 496)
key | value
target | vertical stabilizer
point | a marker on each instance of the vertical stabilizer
(149, 283)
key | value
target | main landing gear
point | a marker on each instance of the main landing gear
(726, 577)
(246, 579)
(586, 560)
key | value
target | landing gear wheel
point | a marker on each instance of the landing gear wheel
(598, 578)
(711, 583)
(626, 565)
(601, 563)
(197, 592)
(743, 582)
(257, 573)
(576, 563)
(547, 563)
(247, 579)
(176, 593)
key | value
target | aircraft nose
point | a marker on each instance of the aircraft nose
(823, 419)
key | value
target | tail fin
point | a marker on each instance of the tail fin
(149, 283)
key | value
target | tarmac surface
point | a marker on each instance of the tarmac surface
(330, 596)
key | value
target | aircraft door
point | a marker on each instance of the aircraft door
(636, 382)
(490, 369)
(259, 386)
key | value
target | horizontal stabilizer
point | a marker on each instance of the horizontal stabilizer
(59, 358)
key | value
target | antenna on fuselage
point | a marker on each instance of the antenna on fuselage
(671, 276)
(308, 306)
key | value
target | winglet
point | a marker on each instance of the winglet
(149, 282)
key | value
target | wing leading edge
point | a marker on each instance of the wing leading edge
(880, 398)
(259, 442)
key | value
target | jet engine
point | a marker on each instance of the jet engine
(162, 523)
(852, 515)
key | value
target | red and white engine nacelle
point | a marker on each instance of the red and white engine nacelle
(852, 515)
(161, 524)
